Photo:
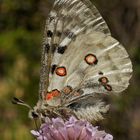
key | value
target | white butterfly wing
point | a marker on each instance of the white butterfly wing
(113, 60)
(79, 53)
(73, 18)
(90, 108)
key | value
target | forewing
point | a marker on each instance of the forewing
(76, 17)
(81, 54)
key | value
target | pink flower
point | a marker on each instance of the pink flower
(73, 129)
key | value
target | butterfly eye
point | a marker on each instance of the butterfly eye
(61, 71)
(91, 59)
(34, 114)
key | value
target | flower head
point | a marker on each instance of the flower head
(73, 129)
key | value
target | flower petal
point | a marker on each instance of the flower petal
(108, 137)
(35, 133)
(73, 129)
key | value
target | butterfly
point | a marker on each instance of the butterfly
(81, 63)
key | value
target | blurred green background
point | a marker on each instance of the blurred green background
(21, 30)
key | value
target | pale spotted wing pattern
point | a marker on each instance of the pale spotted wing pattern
(80, 58)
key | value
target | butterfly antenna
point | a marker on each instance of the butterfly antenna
(17, 101)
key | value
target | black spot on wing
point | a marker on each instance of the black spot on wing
(49, 33)
(61, 50)
(47, 48)
(101, 73)
(53, 68)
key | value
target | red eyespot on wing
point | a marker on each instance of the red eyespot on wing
(52, 94)
(49, 96)
(55, 93)
(61, 71)
(67, 90)
(91, 59)
(103, 80)
(108, 87)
